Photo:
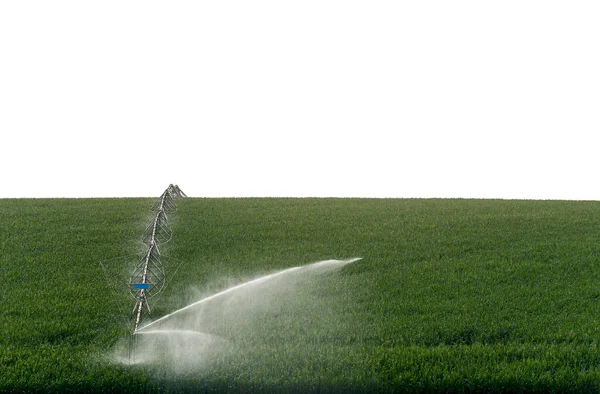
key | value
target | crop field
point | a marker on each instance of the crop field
(449, 295)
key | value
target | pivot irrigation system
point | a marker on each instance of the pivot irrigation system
(150, 271)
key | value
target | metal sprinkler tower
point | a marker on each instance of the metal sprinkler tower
(148, 277)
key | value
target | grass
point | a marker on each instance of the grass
(451, 295)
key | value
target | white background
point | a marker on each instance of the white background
(300, 98)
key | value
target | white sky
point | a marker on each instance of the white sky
(494, 99)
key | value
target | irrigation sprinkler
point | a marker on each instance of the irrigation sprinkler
(158, 230)
(149, 273)
(148, 277)
(166, 201)
(175, 191)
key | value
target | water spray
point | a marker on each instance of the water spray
(222, 325)
(320, 264)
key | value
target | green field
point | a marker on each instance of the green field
(450, 295)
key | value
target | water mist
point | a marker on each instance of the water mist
(224, 324)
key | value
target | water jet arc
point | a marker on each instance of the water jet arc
(249, 283)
